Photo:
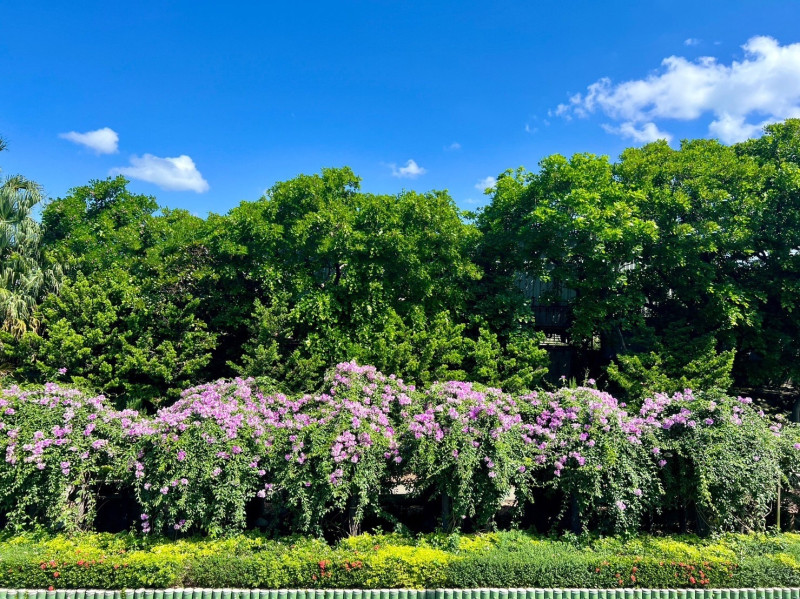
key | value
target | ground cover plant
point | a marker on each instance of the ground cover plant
(313, 460)
(510, 559)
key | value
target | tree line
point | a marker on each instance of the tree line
(683, 267)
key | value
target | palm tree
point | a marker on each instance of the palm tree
(24, 276)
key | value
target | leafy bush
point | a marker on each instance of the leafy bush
(686, 365)
(721, 455)
(59, 446)
(596, 454)
(326, 461)
(200, 461)
(342, 447)
(469, 447)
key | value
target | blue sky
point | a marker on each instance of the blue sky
(204, 104)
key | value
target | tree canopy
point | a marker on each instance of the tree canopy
(675, 266)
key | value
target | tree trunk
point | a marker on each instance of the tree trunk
(446, 516)
(574, 515)
(796, 410)
(353, 524)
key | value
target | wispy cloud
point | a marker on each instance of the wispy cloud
(644, 133)
(740, 97)
(102, 141)
(453, 146)
(174, 174)
(486, 183)
(691, 41)
(410, 171)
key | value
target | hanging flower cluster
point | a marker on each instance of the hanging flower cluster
(195, 465)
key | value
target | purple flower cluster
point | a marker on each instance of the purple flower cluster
(195, 464)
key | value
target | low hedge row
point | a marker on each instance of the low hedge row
(393, 561)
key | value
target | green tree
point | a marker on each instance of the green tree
(110, 337)
(24, 273)
(342, 275)
(653, 248)
(770, 342)
(571, 223)
(129, 323)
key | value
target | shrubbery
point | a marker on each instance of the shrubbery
(196, 465)
(392, 561)
(59, 445)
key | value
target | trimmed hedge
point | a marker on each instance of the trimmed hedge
(495, 560)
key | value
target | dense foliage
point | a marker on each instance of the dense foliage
(683, 262)
(323, 463)
(681, 265)
(24, 274)
(498, 560)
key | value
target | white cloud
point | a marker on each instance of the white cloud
(102, 141)
(174, 174)
(410, 171)
(741, 97)
(454, 146)
(692, 41)
(486, 183)
(645, 133)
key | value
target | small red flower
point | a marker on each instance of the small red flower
(56, 574)
(692, 580)
(50, 588)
